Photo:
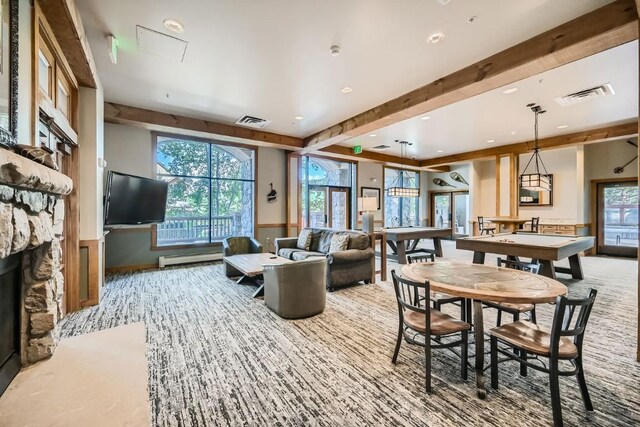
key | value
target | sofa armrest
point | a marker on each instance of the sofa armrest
(256, 246)
(226, 249)
(351, 255)
(285, 242)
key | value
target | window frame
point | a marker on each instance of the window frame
(155, 135)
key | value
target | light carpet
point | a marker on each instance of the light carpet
(218, 357)
(96, 379)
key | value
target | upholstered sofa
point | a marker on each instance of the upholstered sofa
(353, 265)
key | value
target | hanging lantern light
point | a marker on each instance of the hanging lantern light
(535, 180)
(404, 185)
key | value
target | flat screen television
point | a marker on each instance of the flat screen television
(134, 199)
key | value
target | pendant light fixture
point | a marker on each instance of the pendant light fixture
(535, 180)
(404, 185)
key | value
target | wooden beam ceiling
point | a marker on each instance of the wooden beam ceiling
(164, 122)
(595, 32)
(578, 138)
(64, 19)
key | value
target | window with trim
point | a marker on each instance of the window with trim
(211, 190)
(401, 211)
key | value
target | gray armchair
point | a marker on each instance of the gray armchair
(297, 289)
(236, 246)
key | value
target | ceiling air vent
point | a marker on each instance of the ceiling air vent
(586, 95)
(252, 122)
(381, 147)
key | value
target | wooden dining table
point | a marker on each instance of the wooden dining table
(484, 283)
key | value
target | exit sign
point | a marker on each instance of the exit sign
(357, 149)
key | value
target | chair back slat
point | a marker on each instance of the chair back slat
(571, 317)
(480, 222)
(531, 267)
(421, 258)
(408, 293)
(535, 222)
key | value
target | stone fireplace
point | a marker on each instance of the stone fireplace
(31, 227)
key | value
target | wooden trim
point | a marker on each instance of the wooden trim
(187, 126)
(346, 153)
(280, 225)
(589, 34)
(138, 267)
(65, 21)
(71, 242)
(94, 275)
(579, 138)
(514, 185)
(498, 186)
(131, 229)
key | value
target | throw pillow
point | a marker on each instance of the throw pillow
(304, 240)
(339, 242)
(37, 154)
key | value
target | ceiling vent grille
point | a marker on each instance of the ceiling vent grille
(381, 147)
(586, 95)
(252, 122)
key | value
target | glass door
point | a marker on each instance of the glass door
(441, 209)
(618, 218)
(339, 212)
(318, 201)
(461, 217)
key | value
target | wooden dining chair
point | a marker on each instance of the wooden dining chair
(515, 309)
(528, 339)
(485, 229)
(439, 299)
(416, 319)
(535, 226)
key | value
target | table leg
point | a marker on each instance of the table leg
(402, 257)
(478, 326)
(243, 280)
(547, 269)
(383, 261)
(576, 267)
(437, 245)
(259, 292)
(478, 257)
(392, 245)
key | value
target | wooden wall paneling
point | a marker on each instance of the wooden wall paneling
(498, 186)
(64, 18)
(71, 243)
(514, 185)
(95, 274)
(594, 32)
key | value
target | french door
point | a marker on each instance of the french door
(451, 210)
(329, 207)
(617, 218)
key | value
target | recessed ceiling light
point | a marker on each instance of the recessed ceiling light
(425, 118)
(346, 89)
(514, 132)
(440, 151)
(435, 38)
(373, 135)
(510, 90)
(298, 117)
(490, 141)
(174, 25)
(472, 19)
(563, 126)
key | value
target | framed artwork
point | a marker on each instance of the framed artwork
(371, 192)
(8, 72)
(537, 198)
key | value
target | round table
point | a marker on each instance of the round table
(484, 283)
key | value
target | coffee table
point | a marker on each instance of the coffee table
(251, 266)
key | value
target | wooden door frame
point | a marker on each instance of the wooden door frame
(433, 193)
(347, 192)
(594, 206)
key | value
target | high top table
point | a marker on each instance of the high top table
(484, 283)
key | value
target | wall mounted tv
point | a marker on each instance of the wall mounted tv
(134, 199)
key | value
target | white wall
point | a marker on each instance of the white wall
(600, 160)
(486, 187)
(91, 149)
(271, 166)
(568, 189)
(366, 172)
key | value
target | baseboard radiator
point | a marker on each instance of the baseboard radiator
(165, 261)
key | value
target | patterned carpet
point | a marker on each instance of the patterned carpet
(218, 357)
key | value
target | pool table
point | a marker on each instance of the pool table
(545, 248)
(404, 240)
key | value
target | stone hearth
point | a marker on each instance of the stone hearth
(31, 223)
